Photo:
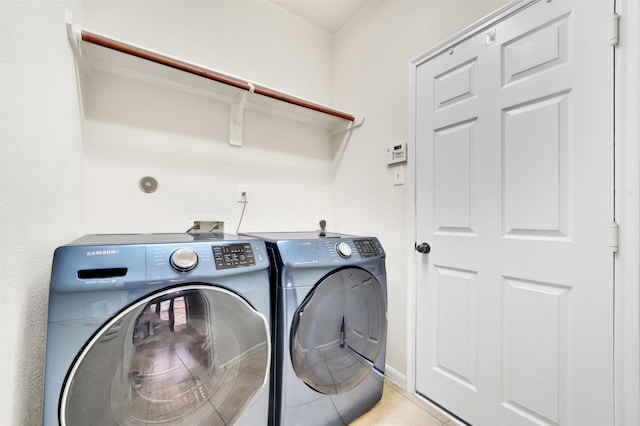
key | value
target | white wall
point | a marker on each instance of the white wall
(135, 129)
(370, 69)
(41, 187)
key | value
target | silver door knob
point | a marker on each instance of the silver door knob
(423, 248)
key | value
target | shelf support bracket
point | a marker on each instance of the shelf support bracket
(236, 117)
(73, 34)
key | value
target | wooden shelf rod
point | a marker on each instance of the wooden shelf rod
(205, 73)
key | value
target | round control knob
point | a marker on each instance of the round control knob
(183, 260)
(343, 249)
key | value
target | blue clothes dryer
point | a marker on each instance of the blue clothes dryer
(330, 326)
(163, 329)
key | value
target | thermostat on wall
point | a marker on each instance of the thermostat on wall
(397, 154)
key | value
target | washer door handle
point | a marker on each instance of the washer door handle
(423, 248)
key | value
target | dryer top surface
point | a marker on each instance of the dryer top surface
(290, 236)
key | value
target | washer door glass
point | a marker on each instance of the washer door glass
(192, 355)
(338, 331)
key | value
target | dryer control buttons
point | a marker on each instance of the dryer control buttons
(183, 260)
(343, 249)
(366, 248)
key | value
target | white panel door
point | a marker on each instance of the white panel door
(514, 194)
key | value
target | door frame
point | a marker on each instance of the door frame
(627, 212)
(627, 203)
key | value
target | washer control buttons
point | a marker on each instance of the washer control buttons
(183, 260)
(233, 256)
(343, 249)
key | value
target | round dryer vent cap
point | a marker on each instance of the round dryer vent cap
(148, 184)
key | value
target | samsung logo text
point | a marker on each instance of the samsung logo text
(102, 252)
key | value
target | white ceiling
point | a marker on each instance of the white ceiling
(328, 14)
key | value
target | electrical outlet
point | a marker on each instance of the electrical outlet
(243, 193)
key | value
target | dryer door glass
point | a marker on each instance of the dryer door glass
(191, 355)
(338, 331)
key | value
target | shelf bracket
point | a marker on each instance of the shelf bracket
(236, 117)
(72, 32)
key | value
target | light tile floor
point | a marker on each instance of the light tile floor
(399, 407)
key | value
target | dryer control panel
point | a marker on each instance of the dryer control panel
(366, 248)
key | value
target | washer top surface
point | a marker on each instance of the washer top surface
(111, 239)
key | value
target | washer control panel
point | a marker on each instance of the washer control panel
(366, 248)
(229, 256)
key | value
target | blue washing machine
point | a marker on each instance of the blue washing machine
(330, 326)
(163, 329)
